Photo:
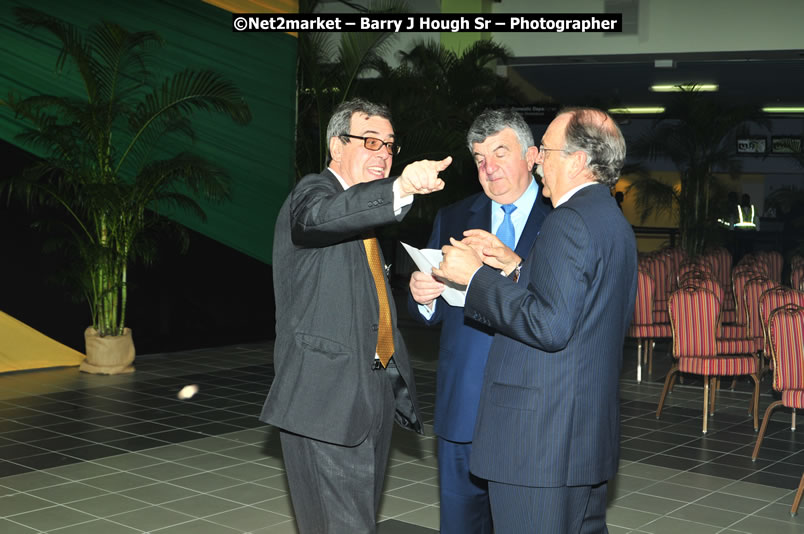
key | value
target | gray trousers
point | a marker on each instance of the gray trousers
(337, 489)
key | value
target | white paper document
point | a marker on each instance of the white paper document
(427, 258)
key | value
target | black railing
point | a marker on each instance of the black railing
(657, 231)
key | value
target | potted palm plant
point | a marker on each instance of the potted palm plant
(105, 165)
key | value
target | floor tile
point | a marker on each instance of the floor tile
(67, 493)
(159, 493)
(201, 505)
(198, 526)
(628, 518)
(762, 525)
(247, 518)
(705, 515)
(672, 525)
(10, 527)
(52, 518)
(649, 503)
(108, 505)
(21, 503)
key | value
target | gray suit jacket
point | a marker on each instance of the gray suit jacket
(327, 313)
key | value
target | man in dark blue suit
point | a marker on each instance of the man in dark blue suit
(502, 145)
(548, 428)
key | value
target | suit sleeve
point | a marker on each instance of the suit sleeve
(322, 214)
(545, 313)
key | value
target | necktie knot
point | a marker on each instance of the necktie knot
(505, 232)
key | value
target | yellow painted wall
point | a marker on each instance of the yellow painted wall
(664, 220)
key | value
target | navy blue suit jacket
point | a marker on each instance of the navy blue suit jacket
(549, 411)
(464, 345)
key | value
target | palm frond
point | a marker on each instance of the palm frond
(653, 197)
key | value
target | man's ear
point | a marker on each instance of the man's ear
(531, 155)
(578, 164)
(335, 148)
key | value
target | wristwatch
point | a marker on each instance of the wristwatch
(515, 272)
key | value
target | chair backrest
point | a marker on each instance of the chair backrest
(786, 334)
(658, 269)
(775, 298)
(693, 316)
(754, 288)
(740, 277)
(643, 309)
(704, 281)
(720, 259)
(797, 276)
(775, 262)
(692, 266)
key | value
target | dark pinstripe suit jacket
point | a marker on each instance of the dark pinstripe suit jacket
(464, 346)
(549, 414)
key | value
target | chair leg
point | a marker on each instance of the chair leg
(667, 383)
(650, 357)
(793, 422)
(733, 383)
(753, 408)
(706, 400)
(799, 492)
(639, 361)
(761, 435)
(714, 385)
(680, 378)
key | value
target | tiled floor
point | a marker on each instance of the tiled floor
(104, 455)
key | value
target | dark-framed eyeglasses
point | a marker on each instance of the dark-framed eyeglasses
(374, 144)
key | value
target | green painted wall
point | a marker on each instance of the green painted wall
(258, 157)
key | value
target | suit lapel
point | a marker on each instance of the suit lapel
(480, 214)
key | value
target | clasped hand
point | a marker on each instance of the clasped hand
(462, 258)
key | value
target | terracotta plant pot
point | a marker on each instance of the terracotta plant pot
(108, 355)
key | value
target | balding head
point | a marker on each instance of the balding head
(595, 133)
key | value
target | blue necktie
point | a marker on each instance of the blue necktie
(506, 232)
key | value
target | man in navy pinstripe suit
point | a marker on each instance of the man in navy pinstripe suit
(547, 434)
(501, 144)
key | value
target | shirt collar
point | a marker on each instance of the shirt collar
(572, 191)
(340, 180)
(526, 199)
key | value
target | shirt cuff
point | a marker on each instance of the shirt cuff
(426, 312)
(400, 202)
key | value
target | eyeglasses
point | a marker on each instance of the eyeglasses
(372, 143)
(542, 148)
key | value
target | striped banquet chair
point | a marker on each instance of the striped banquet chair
(697, 349)
(786, 336)
(643, 328)
(797, 277)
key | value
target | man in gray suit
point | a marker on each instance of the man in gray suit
(336, 393)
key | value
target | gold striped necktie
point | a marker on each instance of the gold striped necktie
(385, 336)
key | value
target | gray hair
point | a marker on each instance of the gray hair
(601, 141)
(341, 120)
(493, 121)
